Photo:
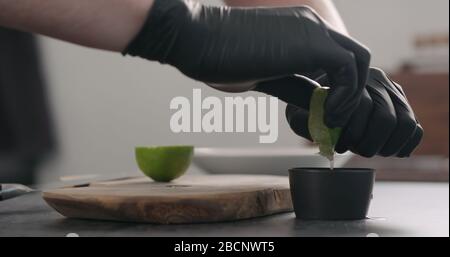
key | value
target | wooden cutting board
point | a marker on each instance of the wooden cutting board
(190, 199)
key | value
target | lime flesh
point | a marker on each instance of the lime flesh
(164, 163)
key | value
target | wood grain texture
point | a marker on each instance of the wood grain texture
(191, 199)
(429, 97)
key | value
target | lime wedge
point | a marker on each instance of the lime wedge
(326, 138)
(164, 163)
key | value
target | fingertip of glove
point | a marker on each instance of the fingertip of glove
(366, 154)
(341, 150)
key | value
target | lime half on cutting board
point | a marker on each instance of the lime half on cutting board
(164, 163)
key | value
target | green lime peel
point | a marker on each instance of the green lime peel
(164, 163)
(326, 138)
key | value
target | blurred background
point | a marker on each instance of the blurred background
(66, 110)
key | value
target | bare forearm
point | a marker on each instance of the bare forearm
(325, 8)
(103, 24)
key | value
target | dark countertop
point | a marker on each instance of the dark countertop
(398, 209)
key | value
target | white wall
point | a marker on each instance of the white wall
(388, 27)
(105, 104)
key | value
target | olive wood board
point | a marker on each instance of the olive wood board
(190, 199)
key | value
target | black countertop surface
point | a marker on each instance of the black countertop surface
(398, 209)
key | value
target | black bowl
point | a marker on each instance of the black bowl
(324, 194)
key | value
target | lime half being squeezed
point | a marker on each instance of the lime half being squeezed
(326, 138)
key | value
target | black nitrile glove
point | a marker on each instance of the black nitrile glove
(383, 124)
(233, 48)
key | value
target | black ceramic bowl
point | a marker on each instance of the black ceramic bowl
(322, 194)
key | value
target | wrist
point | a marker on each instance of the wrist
(161, 30)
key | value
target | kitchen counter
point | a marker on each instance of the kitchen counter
(398, 209)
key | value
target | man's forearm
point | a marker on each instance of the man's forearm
(103, 24)
(325, 8)
(111, 24)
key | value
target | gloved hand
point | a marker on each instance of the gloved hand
(233, 48)
(383, 124)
